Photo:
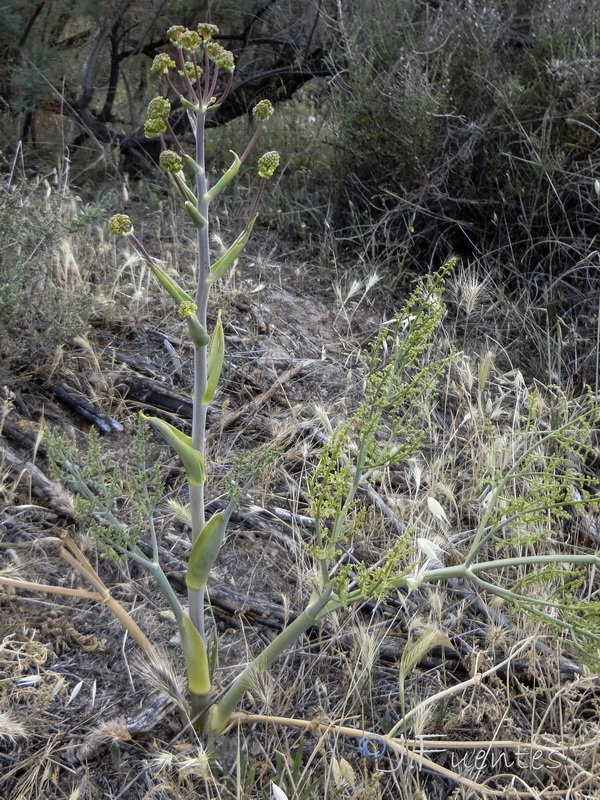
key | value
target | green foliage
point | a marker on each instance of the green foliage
(330, 484)
(584, 619)
(388, 428)
(375, 581)
(559, 583)
(249, 466)
(113, 500)
(542, 485)
(534, 488)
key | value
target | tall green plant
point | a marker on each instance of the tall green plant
(200, 77)
(528, 489)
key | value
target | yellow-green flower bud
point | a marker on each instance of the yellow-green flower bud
(225, 61)
(159, 108)
(162, 64)
(187, 308)
(154, 128)
(214, 50)
(120, 225)
(207, 31)
(175, 32)
(191, 71)
(268, 163)
(189, 40)
(170, 161)
(263, 110)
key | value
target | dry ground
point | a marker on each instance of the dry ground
(82, 717)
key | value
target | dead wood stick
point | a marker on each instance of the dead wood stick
(232, 602)
(154, 394)
(101, 596)
(29, 439)
(229, 419)
(85, 409)
(41, 486)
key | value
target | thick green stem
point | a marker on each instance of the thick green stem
(196, 596)
(223, 710)
(199, 703)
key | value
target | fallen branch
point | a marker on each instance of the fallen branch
(41, 486)
(261, 399)
(85, 409)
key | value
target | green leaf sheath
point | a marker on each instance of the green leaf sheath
(171, 287)
(198, 333)
(216, 353)
(220, 267)
(225, 179)
(199, 221)
(205, 551)
(196, 659)
(182, 444)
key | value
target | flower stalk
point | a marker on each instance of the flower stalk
(205, 70)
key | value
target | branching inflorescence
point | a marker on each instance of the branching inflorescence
(200, 78)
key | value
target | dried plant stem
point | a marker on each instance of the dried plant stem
(413, 750)
(46, 587)
(82, 566)
(474, 681)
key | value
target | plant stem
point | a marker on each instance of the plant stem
(196, 596)
(223, 711)
(513, 597)
(470, 572)
(159, 576)
(46, 587)
(519, 561)
(81, 565)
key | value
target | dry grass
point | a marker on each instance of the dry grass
(532, 725)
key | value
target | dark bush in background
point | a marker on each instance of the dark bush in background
(473, 128)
